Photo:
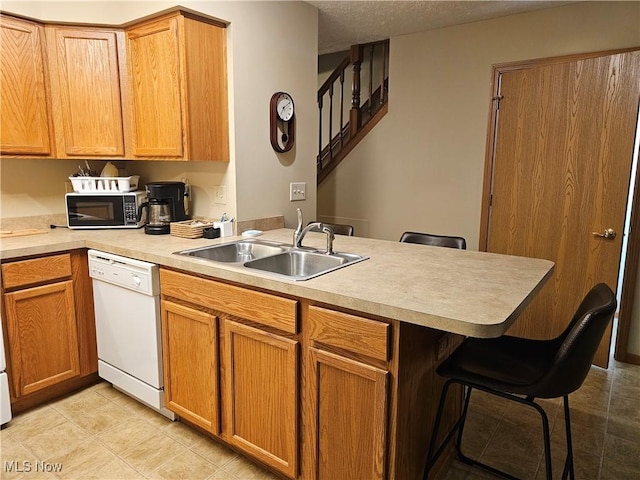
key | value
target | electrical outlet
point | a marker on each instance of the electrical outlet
(297, 191)
(441, 346)
(220, 195)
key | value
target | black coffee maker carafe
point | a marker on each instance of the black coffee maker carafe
(165, 204)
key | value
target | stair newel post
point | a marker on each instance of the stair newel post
(319, 162)
(355, 120)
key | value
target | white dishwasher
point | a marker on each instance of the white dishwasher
(126, 295)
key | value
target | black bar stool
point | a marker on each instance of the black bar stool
(522, 370)
(434, 240)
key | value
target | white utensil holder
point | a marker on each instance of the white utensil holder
(226, 228)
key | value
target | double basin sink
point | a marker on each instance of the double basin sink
(279, 259)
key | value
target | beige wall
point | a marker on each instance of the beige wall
(421, 168)
(272, 46)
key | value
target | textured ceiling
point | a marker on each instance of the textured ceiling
(344, 23)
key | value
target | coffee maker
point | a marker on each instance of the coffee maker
(165, 204)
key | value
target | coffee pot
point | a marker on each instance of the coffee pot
(165, 204)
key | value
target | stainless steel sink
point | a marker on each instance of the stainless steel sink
(237, 252)
(302, 264)
(279, 259)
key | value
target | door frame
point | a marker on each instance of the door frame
(630, 274)
(627, 288)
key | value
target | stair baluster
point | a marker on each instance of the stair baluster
(362, 117)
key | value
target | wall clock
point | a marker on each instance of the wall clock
(281, 119)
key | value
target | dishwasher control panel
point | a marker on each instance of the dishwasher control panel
(124, 272)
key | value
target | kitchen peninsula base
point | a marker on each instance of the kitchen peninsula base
(309, 390)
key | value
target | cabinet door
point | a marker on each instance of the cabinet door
(85, 82)
(349, 403)
(156, 88)
(43, 339)
(261, 395)
(190, 356)
(24, 115)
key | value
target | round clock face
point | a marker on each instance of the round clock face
(284, 107)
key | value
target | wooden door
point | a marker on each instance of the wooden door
(155, 77)
(24, 115)
(261, 395)
(85, 81)
(349, 402)
(190, 360)
(560, 177)
(43, 338)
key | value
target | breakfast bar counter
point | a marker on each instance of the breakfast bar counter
(459, 291)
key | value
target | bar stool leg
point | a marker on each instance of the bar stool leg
(431, 458)
(568, 463)
(459, 426)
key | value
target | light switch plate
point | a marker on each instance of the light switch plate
(297, 191)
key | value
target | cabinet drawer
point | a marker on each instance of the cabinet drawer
(37, 270)
(348, 332)
(263, 308)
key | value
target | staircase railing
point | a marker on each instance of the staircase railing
(334, 143)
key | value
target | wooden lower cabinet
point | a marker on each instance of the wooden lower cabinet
(349, 417)
(348, 388)
(190, 358)
(43, 337)
(261, 395)
(220, 335)
(49, 327)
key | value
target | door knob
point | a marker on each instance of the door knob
(609, 233)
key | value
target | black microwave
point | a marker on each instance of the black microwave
(105, 209)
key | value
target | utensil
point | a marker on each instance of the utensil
(90, 171)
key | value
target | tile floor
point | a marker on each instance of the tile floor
(101, 433)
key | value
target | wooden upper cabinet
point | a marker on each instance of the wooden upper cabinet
(178, 88)
(86, 66)
(23, 89)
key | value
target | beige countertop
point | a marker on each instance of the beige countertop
(460, 291)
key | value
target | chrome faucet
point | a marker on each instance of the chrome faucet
(301, 232)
